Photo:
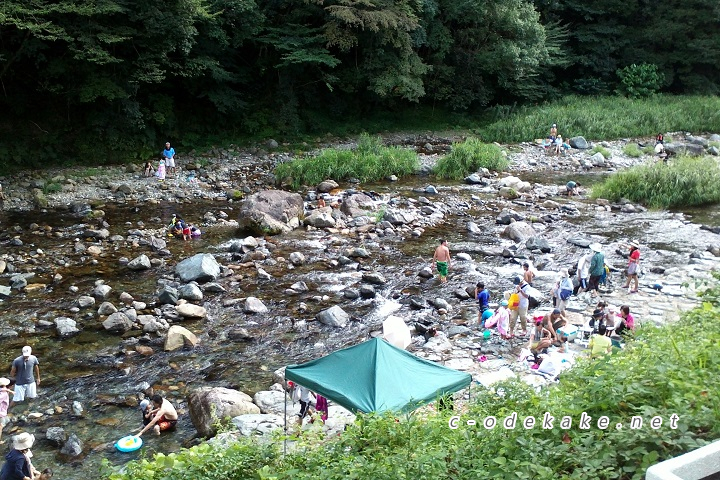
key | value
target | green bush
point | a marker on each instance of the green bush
(370, 161)
(640, 80)
(633, 150)
(664, 371)
(468, 157)
(683, 183)
(606, 118)
(600, 149)
(648, 150)
(51, 187)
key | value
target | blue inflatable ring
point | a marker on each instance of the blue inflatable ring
(129, 443)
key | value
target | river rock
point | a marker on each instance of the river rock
(507, 217)
(73, 447)
(85, 301)
(685, 148)
(56, 435)
(157, 243)
(4, 291)
(213, 287)
(18, 282)
(106, 308)
(300, 287)
(117, 322)
(475, 179)
(254, 305)
(101, 234)
(168, 296)
(367, 291)
(273, 401)
(178, 337)
(297, 258)
(191, 292)
(151, 324)
(508, 192)
(333, 316)
(374, 278)
(188, 310)
(200, 268)
(441, 303)
(126, 298)
(579, 242)
(327, 186)
(253, 425)
(102, 291)
(208, 404)
(357, 205)
(271, 212)
(77, 408)
(518, 231)
(321, 218)
(358, 252)
(239, 334)
(139, 263)
(579, 142)
(473, 228)
(537, 243)
(399, 217)
(351, 293)
(66, 327)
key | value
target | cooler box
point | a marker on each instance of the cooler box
(569, 331)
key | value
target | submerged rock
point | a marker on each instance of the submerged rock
(178, 337)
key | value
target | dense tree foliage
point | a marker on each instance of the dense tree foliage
(89, 78)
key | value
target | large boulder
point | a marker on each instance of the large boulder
(333, 316)
(273, 401)
(518, 231)
(321, 218)
(357, 205)
(139, 263)
(178, 337)
(327, 186)
(199, 268)
(685, 148)
(271, 212)
(117, 322)
(209, 404)
(579, 142)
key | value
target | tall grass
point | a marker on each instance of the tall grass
(632, 150)
(602, 150)
(606, 118)
(683, 183)
(468, 157)
(370, 161)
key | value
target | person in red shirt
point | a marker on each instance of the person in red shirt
(633, 267)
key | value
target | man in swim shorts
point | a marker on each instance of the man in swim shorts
(441, 260)
(164, 416)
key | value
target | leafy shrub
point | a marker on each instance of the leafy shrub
(600, 149)
(51, 187)
(683, 183)
(369, 161)
(468, 157)
(640, 80)
(633, 150)
(648, 150)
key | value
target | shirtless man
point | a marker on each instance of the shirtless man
(164, 416)
(441, 260)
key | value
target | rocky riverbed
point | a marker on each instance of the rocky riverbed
(114, 307)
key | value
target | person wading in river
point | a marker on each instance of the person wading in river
(164, 416)
(22, 371)
(441, 260)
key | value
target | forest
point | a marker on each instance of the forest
(111, 80)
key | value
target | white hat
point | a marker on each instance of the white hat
(144, 404)
(23, 441)
(26, 351)
(554, 125)
(595, 247)
(4, 382)
(634, 244)
(564, 273)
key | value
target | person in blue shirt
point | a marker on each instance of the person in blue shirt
(483, 297)
(169, 157)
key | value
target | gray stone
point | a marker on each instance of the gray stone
(399, 217)
(351, 293)
(299, 287)
(297, 258)
(327, 186)
(519, 231)
(456, 330)
(714, 151)
(320, 218)
(101, 234)
(178, 337)
(475, 179)
(431, 190)
(537, 243)
(5, 291)
(579, 142)
(508, 192)
(188, 310)
(168, 296)
(439, 303)
(66, 327)
(358, 252)
(273, 401)
(213, 287)
(272, 144)
(18, 282)
(157, 243)
(126, 298)
(374, 278)
(106, 308)
(73, 447)
(367, 291)
(356, 205)
(473, 228)
(425, 272)
(56, 435)
(253, 425)
(254, 305)
(506, 217)
(685, 148)
(117, 322)
(191, 292)
(579, 242)
(207, 404)
(139, 263)
(102, 292)
(598, 159)
(333, 316)
(271, 212)
(200, 268)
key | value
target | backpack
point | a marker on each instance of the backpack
(564, 294)
(514, 301)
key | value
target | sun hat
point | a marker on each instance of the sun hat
(504, 303)
(4, 382)
(564, 273)
(634, 244)
(26, 351)
(612, 309)
(595, 247)
(144, 404)
(23, 441)
(554, 125)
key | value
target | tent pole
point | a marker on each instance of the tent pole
(285, 427)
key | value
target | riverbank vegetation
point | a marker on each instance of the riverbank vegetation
(88, 82)
(664, 373)
(468, 157)
(369, 161)
(683, 182)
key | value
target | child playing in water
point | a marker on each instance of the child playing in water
(161, 171)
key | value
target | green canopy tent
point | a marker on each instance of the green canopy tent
(375, 376)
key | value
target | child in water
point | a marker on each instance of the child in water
(4, 401)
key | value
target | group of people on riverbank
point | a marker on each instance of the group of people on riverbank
(179, 228)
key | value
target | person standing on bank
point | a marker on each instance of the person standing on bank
(441, 260)
(26, 372)
(597, 268)
(169, 157)
(632, 269)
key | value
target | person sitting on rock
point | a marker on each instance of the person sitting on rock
(600, 344)
(540, 338)
(164, 418)
(552, 321)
